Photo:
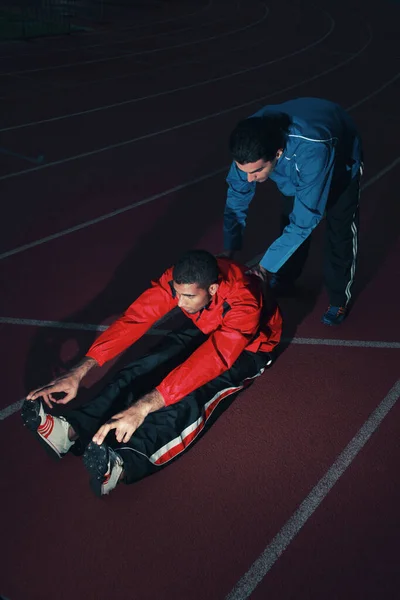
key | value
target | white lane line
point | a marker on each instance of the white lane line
(35, 161)
(175, 90)
(341, 343)
(114, 213)
(375, 92)
(259, 569)
(139, 53)
(188, 123)
(69, 325)
(381, 173)
(11, 409)
(155, 331)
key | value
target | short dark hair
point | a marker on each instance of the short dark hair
(196, 266)
(259, 138)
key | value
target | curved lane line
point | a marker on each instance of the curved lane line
(179, 89)
(127, 41)
(187, 123)
(140, 53)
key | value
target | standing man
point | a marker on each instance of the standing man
(156, 407)
(311, 149)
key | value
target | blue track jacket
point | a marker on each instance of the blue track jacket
(322, 145)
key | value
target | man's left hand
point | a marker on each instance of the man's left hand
(126, 422)
(263, 275)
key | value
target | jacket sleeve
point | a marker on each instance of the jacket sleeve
(218, 353)
(240, 193)
(314, 176)
(137, 319)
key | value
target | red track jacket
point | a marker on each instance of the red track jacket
(232, 319)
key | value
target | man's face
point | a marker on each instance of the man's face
(259, 171)
(193, 298)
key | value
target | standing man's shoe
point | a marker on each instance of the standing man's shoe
(50, 431)
(334, 315)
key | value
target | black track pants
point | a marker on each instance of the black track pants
(341, 246)
(166, 433)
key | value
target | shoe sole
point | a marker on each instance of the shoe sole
(31, 418)
(96, 460)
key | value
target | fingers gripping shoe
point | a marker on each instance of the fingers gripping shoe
(52, 432)
(334, 315)
(105, 468)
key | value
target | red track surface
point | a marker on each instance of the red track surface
(192, 531)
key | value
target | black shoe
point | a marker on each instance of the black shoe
(105, 468)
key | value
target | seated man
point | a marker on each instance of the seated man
(157, 406)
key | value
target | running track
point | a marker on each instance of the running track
(113, 155)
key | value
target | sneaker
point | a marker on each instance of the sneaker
(52, 432)
(105, 467)
(334, 315)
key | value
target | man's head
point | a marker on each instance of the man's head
(195, 280)
(256, 144)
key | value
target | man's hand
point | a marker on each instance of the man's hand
(266, 278)
(261, 273)
(67, 384)
(126, 422)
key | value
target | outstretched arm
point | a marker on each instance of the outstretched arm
(312, 190)
(137, 319)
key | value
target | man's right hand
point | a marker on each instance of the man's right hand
(67, 384)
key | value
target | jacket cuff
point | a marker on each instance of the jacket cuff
(96, 356)
(167, 400)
